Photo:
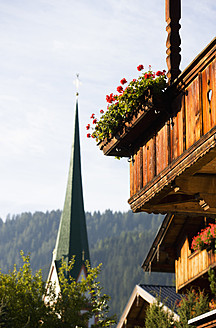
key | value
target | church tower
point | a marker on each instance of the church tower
(72, 236)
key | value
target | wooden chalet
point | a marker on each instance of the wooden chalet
(172, 145)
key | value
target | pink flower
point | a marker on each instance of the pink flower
(120, 89)
(87, 126)
(123, 81)
(140, 67)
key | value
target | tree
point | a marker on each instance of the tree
(157, 316)
(192, 304)
(22, 299)
(78, 302)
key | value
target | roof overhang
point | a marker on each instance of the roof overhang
(163, 252)
(204, 320)
(135, 310)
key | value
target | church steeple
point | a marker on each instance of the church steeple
(72, 234)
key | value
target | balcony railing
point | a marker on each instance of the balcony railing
(191, 266)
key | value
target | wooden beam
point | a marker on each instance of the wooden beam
(135, 322)
(200, 183)
(185, 208)
(173, 15)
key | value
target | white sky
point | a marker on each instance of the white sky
(43, 44)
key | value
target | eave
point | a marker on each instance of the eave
(135, 310)
(163, 252)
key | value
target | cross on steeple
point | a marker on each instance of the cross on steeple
(77, 84)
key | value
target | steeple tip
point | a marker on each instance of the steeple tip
(77, 83)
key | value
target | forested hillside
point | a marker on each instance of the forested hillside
(119, 240)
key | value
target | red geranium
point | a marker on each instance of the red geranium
(94, 121)
(123, 81)
(147, 75)
(88, 135)
(159, 73)
(87, 126)
(140, 67)
(204, 238)
(110, 98)
(120, 89)
(92, 116)
(101, 111)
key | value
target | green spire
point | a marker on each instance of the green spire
(72, 234)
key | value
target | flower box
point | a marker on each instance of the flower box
(136, 127)
(205, 239)
(130, 114)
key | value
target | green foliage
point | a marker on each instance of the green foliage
(22, 299)
(158, 316)
(119, 278)
(86, 294)
(191, 305)
(212, 280)
(125, 105)
(115, 239)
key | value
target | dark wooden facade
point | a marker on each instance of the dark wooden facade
(171, 143)
(175, 169)
(171, 252)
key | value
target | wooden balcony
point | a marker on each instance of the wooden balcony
(175, 169)
(193, 267)
(172, 143)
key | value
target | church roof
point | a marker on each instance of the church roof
(72, 236)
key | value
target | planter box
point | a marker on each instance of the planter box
(135, 129)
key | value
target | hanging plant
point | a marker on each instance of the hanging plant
(122, 106)
(205, 238)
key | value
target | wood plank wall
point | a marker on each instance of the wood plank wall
(189, 266)
(194, 116)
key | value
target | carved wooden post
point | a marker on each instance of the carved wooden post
(173, 15)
